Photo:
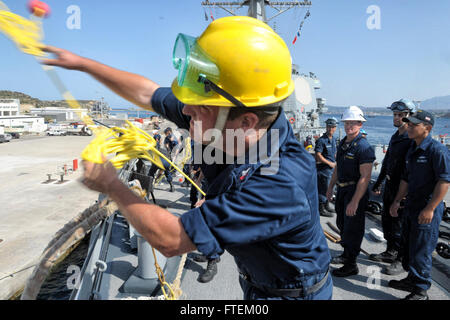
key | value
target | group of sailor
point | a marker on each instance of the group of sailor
(236, 76)
(415, 172)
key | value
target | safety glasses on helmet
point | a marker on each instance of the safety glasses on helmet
(196, 70)
(399, 106)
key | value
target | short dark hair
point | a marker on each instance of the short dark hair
(266, 114)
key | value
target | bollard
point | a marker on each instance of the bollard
(65, 169)
(75, 165)
(146, 260)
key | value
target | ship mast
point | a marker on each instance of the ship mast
(256, 8)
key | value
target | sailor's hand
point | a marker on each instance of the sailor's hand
(199, 203)
(64, 59)
(394, 208)
(99, 177)
(425, 216)
(376, 192)
(352, 206)
(332, 164)
(330, 195)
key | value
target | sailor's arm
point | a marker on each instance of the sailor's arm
(333, 181)
(321, 158)
(159, 227)
(401, 193)
(381, 176)
(439, 192)
(132, 87)
(365, 171)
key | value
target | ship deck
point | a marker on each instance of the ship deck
(369, 284)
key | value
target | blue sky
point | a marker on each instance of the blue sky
(408, 57)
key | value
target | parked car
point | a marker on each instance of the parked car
(15, 135)
(3, 138)
(56, 133)
(8, 137)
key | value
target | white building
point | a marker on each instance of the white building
(9, 107)
(60, 114)
(23, 123)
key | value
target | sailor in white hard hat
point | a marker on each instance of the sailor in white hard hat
(352, 173)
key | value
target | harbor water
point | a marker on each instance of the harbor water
(379, 129)
(59, 284)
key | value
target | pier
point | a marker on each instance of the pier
(39, 194)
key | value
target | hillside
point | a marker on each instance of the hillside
(437, 103)
(30, 101)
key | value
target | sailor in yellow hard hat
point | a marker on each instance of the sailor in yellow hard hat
(261, 208)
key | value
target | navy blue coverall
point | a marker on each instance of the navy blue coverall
(348, 162)
(426, 165)
(327, 147)
(269, 223)
(391, 170)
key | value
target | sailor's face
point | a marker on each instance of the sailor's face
(398, 116)
(417, 131)
(202, 119)
(352, 127)
(331, 130)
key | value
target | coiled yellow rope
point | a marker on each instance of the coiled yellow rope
(26, 34)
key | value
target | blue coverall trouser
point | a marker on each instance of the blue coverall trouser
(352, 228)
(167, 172)
(323, 180)
(420, 242)
(324, 293)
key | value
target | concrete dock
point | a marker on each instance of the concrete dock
(33, 209)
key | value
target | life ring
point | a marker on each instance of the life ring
(292, 120)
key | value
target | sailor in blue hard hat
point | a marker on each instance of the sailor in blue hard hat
(352, 176)
(425, 183)
(325, 153)
(391, 170)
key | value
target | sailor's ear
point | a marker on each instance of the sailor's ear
(248, 120)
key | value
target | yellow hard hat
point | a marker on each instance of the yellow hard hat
(237, 61)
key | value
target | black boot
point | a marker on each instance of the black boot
(323, 212)
(200, 258)
(339, 259)
(210, 272)
(388, 256)
(185, 183)
(172, 189)
(417, 295)
(403, 284)
(328, 208)
(394, 268)
(349, 269)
